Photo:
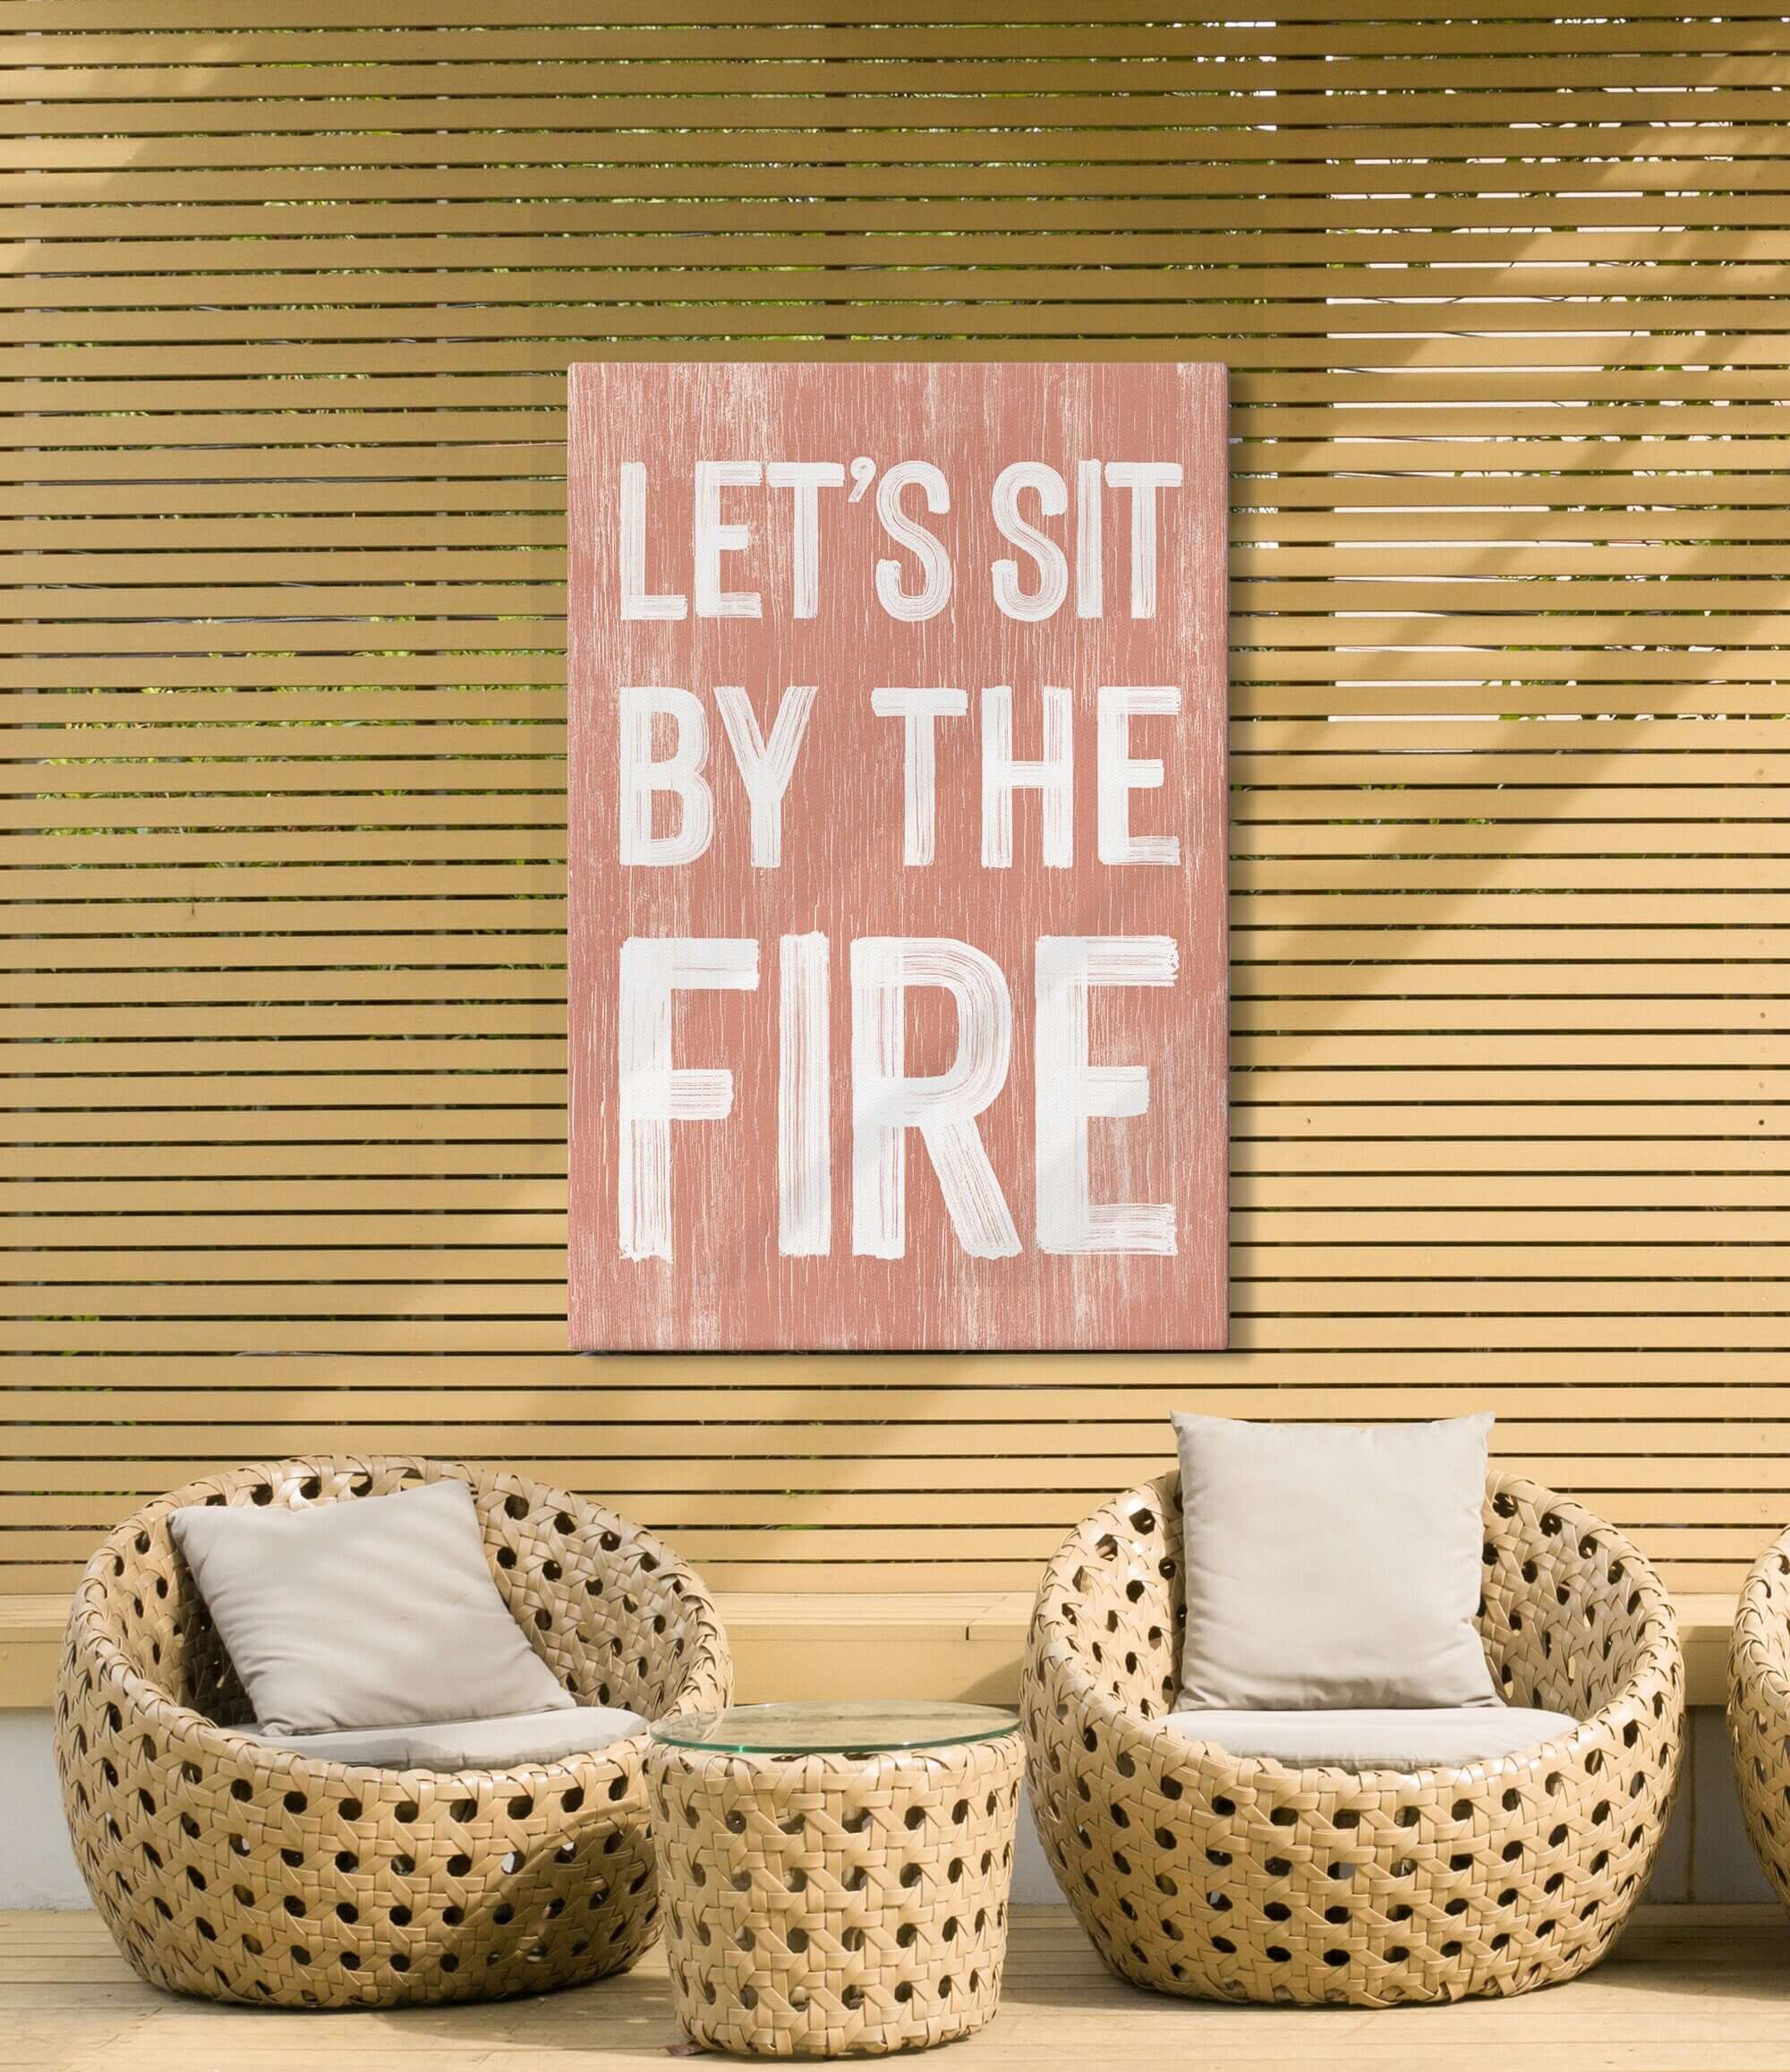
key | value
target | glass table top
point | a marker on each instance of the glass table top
(854, 1728)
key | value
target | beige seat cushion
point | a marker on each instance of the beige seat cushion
(1402, 1738)
(1332, 1565)
(376, 1611)
(522, 1737)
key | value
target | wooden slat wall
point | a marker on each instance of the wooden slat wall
(290, 289)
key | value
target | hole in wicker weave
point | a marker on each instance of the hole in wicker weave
(293, 1905)
(346, 1860)
(458, 1866)
(906, 1935)
(292, 1858)
(1277, 1953)
(520, 1808)
(910, 1874)
(1278, 1867)
(253, 1945)
(260, 1493)
(400, 1963)
(406, 1866)
(572, 1799)
(1398, 1954)
(915, 1816)
(349, 1961)
(240, 1788)
(299, 1953)
(904, 1992)
(295, 1802)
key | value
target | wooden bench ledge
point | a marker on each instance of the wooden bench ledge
(837, 1644)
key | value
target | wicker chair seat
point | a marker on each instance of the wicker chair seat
(1217, 1876)
(239, 1870)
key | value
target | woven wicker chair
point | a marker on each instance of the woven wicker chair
(244, 1872)
(1758, 1710)
(1225, 1877)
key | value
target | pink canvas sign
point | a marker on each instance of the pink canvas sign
(898, 815)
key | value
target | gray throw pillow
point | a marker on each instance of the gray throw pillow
(1331, 1566)
(377, 1611)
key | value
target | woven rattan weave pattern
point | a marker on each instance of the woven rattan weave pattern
(242, 1872)
(1221, 1876)
(1758, 1710)
(828, 1905)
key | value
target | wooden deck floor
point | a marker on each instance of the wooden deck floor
(1709, 1994)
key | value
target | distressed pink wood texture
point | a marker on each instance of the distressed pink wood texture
(843, 875)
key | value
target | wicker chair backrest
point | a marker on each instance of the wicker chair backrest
(1567, 1623)
(603, 1603)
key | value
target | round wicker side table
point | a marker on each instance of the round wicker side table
(833, 1878)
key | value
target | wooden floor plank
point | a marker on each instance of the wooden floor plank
(1691, 1990)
